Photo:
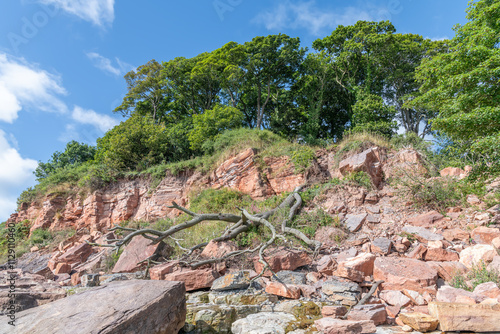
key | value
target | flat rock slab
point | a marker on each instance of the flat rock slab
(354, 222)
(422, 234)
(140, 307)
(466, 317)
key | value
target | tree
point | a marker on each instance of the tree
(146, 91)
(135, 144)
(270, 66)
(212, 122)
(74, 154)
(462, 85)
(370, 113)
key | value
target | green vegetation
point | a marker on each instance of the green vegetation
(350, 91)
(23, 241)
(477, 275)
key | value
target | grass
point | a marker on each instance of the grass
(477, 275)
(357, 142)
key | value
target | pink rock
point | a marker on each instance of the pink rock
(487, 290)
(404, 273)
(447, 270)
(375, 313)
(392, 310)
(307, 291)
(393, 297)
(335, 326)
(218, 249)
(333, 311)
(418, 252)
(194, 279)
(284, 259)
(439, 254)
(450, 294)
(159, 271)
(485, 235)
(329, 235)
(138, 250)
(287, 291)
(62, 268)
(367, 161)
(426, 219)
(357, 268)
(76, 254)
(477, 254)
(453, 172)
(326, 265)
(456, 234)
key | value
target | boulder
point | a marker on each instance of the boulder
(326, 265)
(484, 235)
(334, 311)
(280, 289)
(439, 254)
(448, 270)
(455, 317)
(487, 290)
(456, 234)
(159, 271)
(210, 318)
(284, 259)
(367, 161)
(232, 281)
(356, 268)
(194, 279)
(373, 312)
(381, 246)
(138, 250)
(35, 263)
(90, 280)
(394, 298)
(263, 323)
(404, 273)
(336, 326)
(120, 307)
(31, 290)
(354, 222)
(422, 234)
(420, 322)
(450, 294)
(345, 293)
(477, 254)
(426, 219)
(218, 249)
(418, 252)
(290, 277)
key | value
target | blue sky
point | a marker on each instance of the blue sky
(62, 61)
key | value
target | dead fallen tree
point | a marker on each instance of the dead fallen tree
(238, 224)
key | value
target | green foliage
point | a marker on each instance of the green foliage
(110, 260)
(359, 179)
(218, 200)
(477, 275)
(462, 84)
(74, 155)
(134, 144)
(370, 114)
(211, 123)
(438, 194)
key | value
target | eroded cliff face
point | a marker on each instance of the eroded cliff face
(137, 200)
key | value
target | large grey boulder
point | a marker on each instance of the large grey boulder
(137, 306)
(263, 323)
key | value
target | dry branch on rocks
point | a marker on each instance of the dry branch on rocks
(240, 224)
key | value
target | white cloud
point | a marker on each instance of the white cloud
(101, 122)
(16, 173)
(23, 85)
(99, 12)
(307, 15)
(106, 64)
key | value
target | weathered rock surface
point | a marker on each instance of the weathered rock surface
(30, 291)
(193, 279)
(356, 268)
(419, 321)
(346, 293)
(232, 281)
(426, 219)
(263, 323)
(367, 161)
(210, 318)
(466, 317)
(138, 250)
(404, 273)
(375, 313)
(337, 326)
(284, 259)
(120, 307)
(477, 254)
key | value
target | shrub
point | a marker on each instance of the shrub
(477, 275)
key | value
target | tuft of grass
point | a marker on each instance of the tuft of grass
(359, 179)
(477, 275)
